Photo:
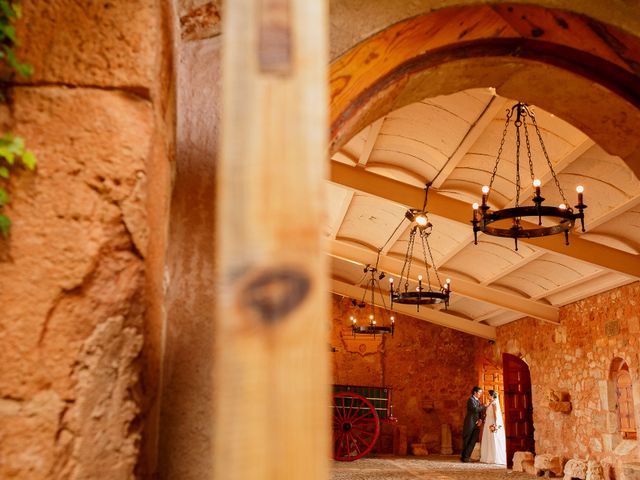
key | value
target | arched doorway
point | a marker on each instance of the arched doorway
(518, 409)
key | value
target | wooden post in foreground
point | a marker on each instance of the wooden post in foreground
(271, 367)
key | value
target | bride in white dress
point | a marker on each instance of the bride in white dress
(493, 448)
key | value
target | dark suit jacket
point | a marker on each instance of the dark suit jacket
(474, 410)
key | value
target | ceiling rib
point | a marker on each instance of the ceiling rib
(614, 282)
(372, 136)
(517, 265)
(460, 285)
(344, 208)
(566, 286)
(477, 128)
(427, 314)
(409, 197)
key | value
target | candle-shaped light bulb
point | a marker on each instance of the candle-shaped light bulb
(485, 191)
(580, 189)
(371, 317)
(393, 320)
(419, 278)
(373, 322)
(475, 210)
(562, 206)
(448, 283)
(536, 184)
(353, 320)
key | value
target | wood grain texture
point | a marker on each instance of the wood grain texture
(272, 394)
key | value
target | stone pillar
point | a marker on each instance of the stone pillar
(81, 276)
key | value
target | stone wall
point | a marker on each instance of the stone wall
(576, 357)
(430, 369)
(80, 293)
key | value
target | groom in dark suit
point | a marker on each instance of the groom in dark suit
(472, 422)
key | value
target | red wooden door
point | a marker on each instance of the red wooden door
(517, 406)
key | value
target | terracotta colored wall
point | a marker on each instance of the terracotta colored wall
(422, 362)
(79, 284)
(576, 357)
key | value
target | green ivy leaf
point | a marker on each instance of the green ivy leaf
(29, 160)
(4, 197)
(5, 225)
(9, 31)
(7, 154)
(4, 172)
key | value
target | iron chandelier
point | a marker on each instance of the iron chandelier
(508, 222)
(373, 283)
(422, 295)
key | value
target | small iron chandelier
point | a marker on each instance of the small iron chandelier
(559, 219)
(373, 283)
(421, 295)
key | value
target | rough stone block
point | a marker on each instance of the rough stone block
(107, 44)
(518, 458)
(631, 471)
(594, 471)
(529, 467)
(445, 440)
(549, 463)
(419, 450)
(575, 469)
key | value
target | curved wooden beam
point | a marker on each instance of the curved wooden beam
(544, 56)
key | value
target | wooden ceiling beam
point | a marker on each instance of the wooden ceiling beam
(427, 314)
(411, 197)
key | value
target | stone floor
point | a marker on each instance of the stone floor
(433, 467)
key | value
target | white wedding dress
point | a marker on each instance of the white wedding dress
(493, 448)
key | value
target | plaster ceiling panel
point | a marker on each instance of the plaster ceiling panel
(489, 258)
(337, 201)
(354, 147)
(593, 286)
(446, 236)
(421, 137)
(621, 232)
(475, 169)
(546, 274)
(370, 221)
(470, 308)
(607, 180)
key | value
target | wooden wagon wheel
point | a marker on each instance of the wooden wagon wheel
(355, 426)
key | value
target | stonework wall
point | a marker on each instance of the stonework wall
(576, 357)
(431, 370)
(79, 306)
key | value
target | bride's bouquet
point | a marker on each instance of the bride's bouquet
(494, 428)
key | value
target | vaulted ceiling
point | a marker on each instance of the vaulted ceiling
(450, 142)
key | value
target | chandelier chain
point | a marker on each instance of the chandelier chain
(504, 137)
(407, 264)
(423, 239)
(433, 263)
(517, 124)
(526, 137)
(546, 156)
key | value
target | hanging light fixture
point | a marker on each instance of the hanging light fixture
(424, 294)
(372, 325)
(509, 222)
